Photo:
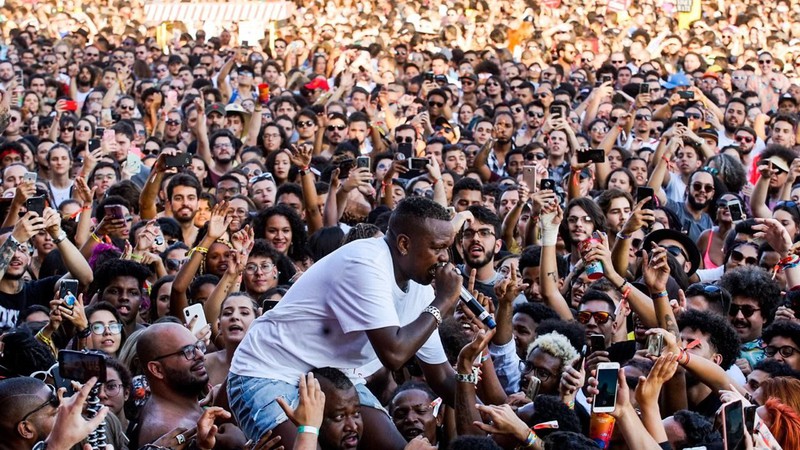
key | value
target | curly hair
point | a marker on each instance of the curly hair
(114, 268)
(572, 330)
(299, 235)
(361, 231)
(756, 284)
(782, 328)
(23, 354)
(569, 439)
(550, 407)
(697, 429)
(721, 335)
(556, 345)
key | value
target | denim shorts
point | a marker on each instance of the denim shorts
(253, 402)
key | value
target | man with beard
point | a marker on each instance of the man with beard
(15, 293)
(717, 343)
(6, 74)
(342, 424)
(335, 132)
(755, 300)
(735, 115)
(749, 146)
(784, 131)
(173, 362)
(566, 55)
(480, 241)
(124, 135)
(490, 163)
(367, 304)
(219, 151)
(120, 282)
(215, 117)
(85, 81)
(701, 192)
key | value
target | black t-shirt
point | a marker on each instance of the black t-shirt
(38, 292)
(486, 289)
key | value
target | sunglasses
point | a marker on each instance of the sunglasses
(436, 104)
(744, 139)
(127, 108)
(175, 264)
(601, 317)
(261, 177)
(305, 123)
(642, 117)
(173, 122)
(738, 256)
(535, 114)
(696, 116)
(676, 251)
(535, 156)
(150, 151)
(747, 310)
(708, 188)
(764, 61)
(336, 127)
(68, 129)
(786, 351)
(405, 140)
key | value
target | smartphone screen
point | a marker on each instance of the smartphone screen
(734, 426)
(607, 385)
(80, 366)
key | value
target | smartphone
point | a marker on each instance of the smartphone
(578, 364)
(99, 132)
(418, 163)
(547, 184)
(362, 162)
(644, 88)
(619, 99)
(18, 75)
(35, 204)
(268, 305)
(529, 176)
(440, 79)
(115, 212)
(30, 177)
(245, 44)
(68, 286)
(178, 160)
(71, 105)
(597, 343)
(80, 366)
(686, 95)
(750, 418)
(533, 388)
(109, 134)
(733, 425)
(593, 155)
(606, 400)
(105, 116)
(429, 76)
(606, 78)
(682, 120)
(735, 208)
(195, 310)
(94, 144)
(451, 211)
(556, 111)
(134, 164)
(644, 192)
(405, 149)
(345, 166)
(655, 344)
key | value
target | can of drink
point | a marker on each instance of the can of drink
(263, 93)
(594, 270)
(601, 427)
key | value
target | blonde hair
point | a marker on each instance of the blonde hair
(556, 345)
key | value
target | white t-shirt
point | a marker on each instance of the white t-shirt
(322, 320)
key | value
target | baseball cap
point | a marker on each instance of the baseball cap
(676, 80)
(218, 108)
(318, 83)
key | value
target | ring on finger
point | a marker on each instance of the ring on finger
(181, 438)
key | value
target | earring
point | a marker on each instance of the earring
(403, 252)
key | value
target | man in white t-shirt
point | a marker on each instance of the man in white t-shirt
(369, 301)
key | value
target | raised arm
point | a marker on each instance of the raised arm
(480, 163)
(222, 78)
(301, 157)
(758, 200)
(149, 195)
(548, 274)
(77, 265)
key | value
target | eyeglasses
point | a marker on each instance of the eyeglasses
(84, 128)
(535, 114)
(747, 310)
(541, 95)
(601, 317)
(112, 389)
(127, 107)
(223, 145)
(177, 88)
(261, 177)
(436, 104)
(305, 123)
(99, 328)
(744, 139)
(175, 264)
(336, 127)
(786, 351)
(173, 122)
(229, 190)
(52, 400)
(189, 352)
(642, 117)
(527, 367)
(469, 234)
(708, 188)
(738, 256)
(253, 268)
(572, 220)
(150, 151)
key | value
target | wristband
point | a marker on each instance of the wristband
(661, 294)
(46, 340)
(85, 333)
(96, 238)
(622, 236)
(308, 429)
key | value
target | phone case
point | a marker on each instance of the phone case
(195, 310)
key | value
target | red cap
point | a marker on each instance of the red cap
(318, 83)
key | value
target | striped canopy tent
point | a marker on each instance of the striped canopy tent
(235, 11)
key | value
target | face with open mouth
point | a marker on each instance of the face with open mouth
(124, 293)
(235, 318)
(342, 426)
(413, 416)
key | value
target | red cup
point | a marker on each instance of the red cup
(263, 93)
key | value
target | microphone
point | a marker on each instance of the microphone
(476, 308)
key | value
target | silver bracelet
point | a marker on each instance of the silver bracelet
(434, 311)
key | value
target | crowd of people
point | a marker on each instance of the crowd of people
(272, 243)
